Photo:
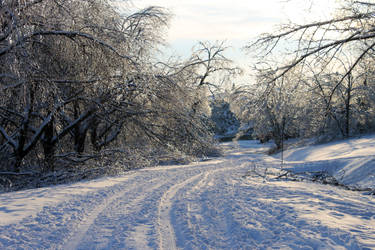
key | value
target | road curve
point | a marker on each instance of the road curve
(206, 205)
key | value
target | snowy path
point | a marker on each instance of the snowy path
(208, 205)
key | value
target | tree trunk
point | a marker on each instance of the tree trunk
(17, 163)
(49, 147)
(79, 132)
(94, 135)
(347, 106)
(79, 140)
(19, 152)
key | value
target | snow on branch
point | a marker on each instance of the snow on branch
(69, 34)
(34, 139)
(74, 123)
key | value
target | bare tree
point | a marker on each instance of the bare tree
(323, 42)
(65, 63)
(326, 57)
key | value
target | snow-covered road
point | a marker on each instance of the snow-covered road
(206, 205)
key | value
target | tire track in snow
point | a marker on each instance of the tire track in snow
(86, 222)
(165, 229)
(81, 231)
(167, 239)
(208, 181)
(131, 206)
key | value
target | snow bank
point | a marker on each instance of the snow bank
(351, 162)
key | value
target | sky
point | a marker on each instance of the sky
(237, 22)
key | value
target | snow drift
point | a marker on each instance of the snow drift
(351, 161)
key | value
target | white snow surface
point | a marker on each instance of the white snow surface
(206, 205)
(351, 162)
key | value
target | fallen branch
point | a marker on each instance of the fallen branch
(17, 174)
(322, 177)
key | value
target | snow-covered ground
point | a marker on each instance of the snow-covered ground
(207, 205)
(351, 162)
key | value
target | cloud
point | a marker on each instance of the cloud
(236, 21)
(218, 19)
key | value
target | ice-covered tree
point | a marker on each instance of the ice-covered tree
(224, 120)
